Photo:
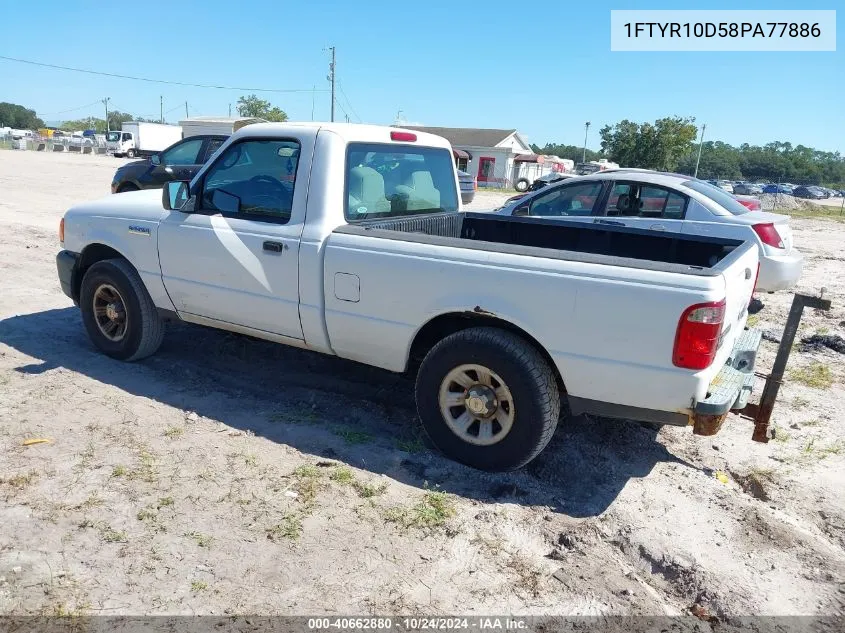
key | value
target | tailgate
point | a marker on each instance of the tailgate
(739, 277)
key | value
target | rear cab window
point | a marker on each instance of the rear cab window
(392, 180)
(721, 197)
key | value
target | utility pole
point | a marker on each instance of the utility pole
(186, 111)
(106, 103)
(700, 145)
(230, 110)
(332, 76)
(161, 108)
(586, 130)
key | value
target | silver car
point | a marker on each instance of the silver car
(656, 201)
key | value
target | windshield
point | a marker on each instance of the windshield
(717, 195)
(113, 136)
(387, 180)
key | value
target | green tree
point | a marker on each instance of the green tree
(658, 145)
(91, 123)
(252, 106)
(572, 152)
(18, 117)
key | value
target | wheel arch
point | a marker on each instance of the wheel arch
(441, 326)
(89, 256)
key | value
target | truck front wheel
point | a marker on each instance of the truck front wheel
(119, 315)
(488, 399)
(130, 153)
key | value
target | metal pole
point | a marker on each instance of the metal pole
(186, 110)
(331, 76)
(586, 130)
(106, 103)
(700, 145)
(230, 110)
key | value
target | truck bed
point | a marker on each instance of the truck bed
(576, 241)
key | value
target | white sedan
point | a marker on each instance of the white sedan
(677, 203)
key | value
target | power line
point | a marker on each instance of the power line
(97, 102)
(348, 102)
(155, 81)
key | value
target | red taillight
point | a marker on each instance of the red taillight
(768, 234)
(407, 137)
(751, 205)
(62, 231)
(697, 338)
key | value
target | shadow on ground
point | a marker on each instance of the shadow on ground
(333, 408)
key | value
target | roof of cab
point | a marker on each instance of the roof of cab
(349, 132)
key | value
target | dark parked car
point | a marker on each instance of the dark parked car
(747, 189)
(775, 188)
(814, 193)
(180, 161)
(468, 186)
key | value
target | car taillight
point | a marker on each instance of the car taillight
(768, 234)
(62, 230)
(697, 338)
(751, 205)
(407, 137)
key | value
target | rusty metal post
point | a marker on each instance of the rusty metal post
(762, 413)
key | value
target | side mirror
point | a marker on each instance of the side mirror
(155, 159)
(521, 210)
(175, 195)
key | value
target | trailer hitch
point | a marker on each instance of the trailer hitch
(761, 413)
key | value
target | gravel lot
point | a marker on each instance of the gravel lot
(227, 475)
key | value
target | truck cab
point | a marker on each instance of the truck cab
(119, 143)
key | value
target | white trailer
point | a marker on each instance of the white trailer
(215, 125)
(139, 138)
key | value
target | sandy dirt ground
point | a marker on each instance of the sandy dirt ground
(226, 475)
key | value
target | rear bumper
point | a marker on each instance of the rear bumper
(732, 386)
(66, 266)
(780, 272)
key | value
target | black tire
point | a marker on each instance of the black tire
(530, 379)
(128, 186)
(130, 153)
(522, 184)
(144, 327)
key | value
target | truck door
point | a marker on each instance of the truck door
(234, 259)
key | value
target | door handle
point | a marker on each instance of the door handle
(274, 247)
(610, 222)
(657, 227)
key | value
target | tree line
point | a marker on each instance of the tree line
(669, 144)
(19, 117)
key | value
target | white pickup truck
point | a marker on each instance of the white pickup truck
(349, 240)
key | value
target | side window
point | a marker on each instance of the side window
(569, 200)
(184, 153)
(254, 178)
(127, 137)
(622, 200)
(213, 145)
(657, 202)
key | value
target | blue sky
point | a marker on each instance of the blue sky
(543, 68)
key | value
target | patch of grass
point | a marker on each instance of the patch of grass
(172, 432)
(823, 330)
(781, 435)
(367, 491)
(410, 445)
(821, 212)
(299, 415)
(816, 375)
(165, 502)
(203, 540)
(351, 436)
(86, 457)
(146, 470)
(110, 535)
(811, 449)
(800, 402)
(752, 320)
(93, 501)
(307, 471)
(64, 611)
(21, 481)
(343, 476)
(118, 471)
(432, 511)
(198, 585)
(146, 514)
(290, 528)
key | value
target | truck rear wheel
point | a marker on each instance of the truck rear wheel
(119, 315)
(488, 399)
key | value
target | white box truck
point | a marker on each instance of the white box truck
(215, 125)
(137, 138)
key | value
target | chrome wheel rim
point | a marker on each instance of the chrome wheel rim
(110, 312)
(476, 404)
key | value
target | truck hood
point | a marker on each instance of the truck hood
(132, 205)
